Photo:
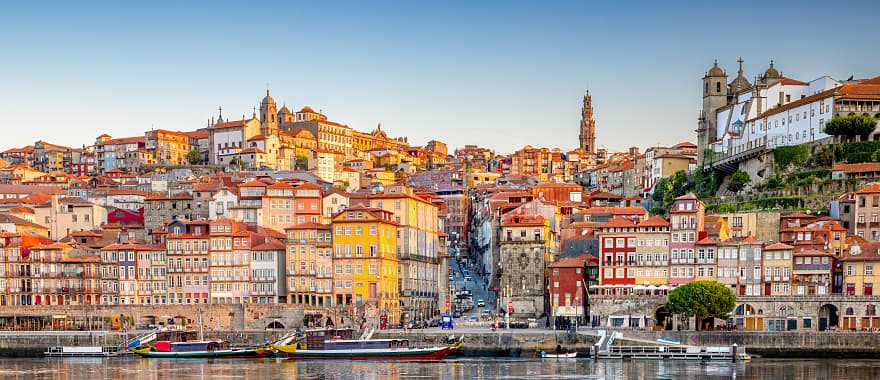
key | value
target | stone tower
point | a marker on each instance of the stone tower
(714, 97)
(268, 115)
(588, 126)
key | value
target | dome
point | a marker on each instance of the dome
(307, 109)
(740, 83)
(772, 72)
(268, 99)
(715, 70)
(284, 110)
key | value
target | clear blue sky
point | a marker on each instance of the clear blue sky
(498, 74)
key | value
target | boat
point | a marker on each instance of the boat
(568, 355)
(336, 344)
(84, 351)
(668, 341)
(179, 343)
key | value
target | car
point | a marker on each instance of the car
(451, 278)
(485, 312)
(467, 278)
(481, 303)
(473, 318)
(456, 314)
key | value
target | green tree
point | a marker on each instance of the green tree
(236, 163)
(704, 300)
(194, 157)
(738, 181)
(851, 126)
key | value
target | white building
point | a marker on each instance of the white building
(221, 204)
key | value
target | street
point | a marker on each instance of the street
(477, 286)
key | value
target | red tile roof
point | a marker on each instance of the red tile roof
(864, 167)
(870, 188)
(777, 247)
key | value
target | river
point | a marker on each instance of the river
(131, 368)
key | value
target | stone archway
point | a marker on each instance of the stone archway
(663, 318)
(828, 317)
(275, 325)
(747, 318)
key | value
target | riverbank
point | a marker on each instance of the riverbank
(505, 343)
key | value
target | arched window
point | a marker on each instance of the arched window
(871, 310)
(706, 88)
(717, 86)
(849, 311)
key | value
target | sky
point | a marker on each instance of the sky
(497, 74)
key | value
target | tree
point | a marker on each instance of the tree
(738, 181)
(702, 300)
(236, 163)
(194, 157)
(851, 126)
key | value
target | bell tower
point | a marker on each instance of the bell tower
(587, 135)
(268, 115)
(715, 91)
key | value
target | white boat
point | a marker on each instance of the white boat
(568, 355)
(84, 351)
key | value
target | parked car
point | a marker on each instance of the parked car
(481, 303)
(473, 318)
(467, 278)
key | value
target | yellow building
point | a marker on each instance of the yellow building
(365, 273)
(861, 270)
(777, 269)
(652, 252)
(418, 244)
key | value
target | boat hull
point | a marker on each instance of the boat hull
(242, 353)
(433, 353)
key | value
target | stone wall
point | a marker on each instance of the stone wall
(213, 316)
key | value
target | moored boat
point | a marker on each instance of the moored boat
(177, 343)
(318, 347)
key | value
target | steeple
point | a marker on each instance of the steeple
(740, 83)
(587, 136)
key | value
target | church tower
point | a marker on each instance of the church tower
(588, 126)
(715, 90)
(268, 115)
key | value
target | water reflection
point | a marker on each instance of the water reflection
(467, 368)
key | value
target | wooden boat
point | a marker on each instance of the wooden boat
(211, 351)
(178, 343)
(569, 355)
(318, 347)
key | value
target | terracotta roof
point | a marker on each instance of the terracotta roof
(124, 140)
(707, 241)
(777, 247)
(253, 183)
(627, 210)
(199, 134)
(520, 220)
(22, 210)
(308, 226)
(573, 262)
(271, 245)
(133, 247)
(618, 221)
(863, 167)
(280, 185)
(870, 188)
(791, 82)
(230, 124)
(307, 109)
(685, 144)
(654, 221)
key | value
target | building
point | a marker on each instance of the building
(365, 263)
(167, 147)
(310, 264)
(188, 271)
(568, 288)
(813, 272)
(160, 209)
(617, 254)
(268, 278)
(686, 216)
(523, 258)
(778, 264)
(418, 246)
(867, 212)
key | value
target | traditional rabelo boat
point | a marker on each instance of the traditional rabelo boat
(178, 343)
(337, 344)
